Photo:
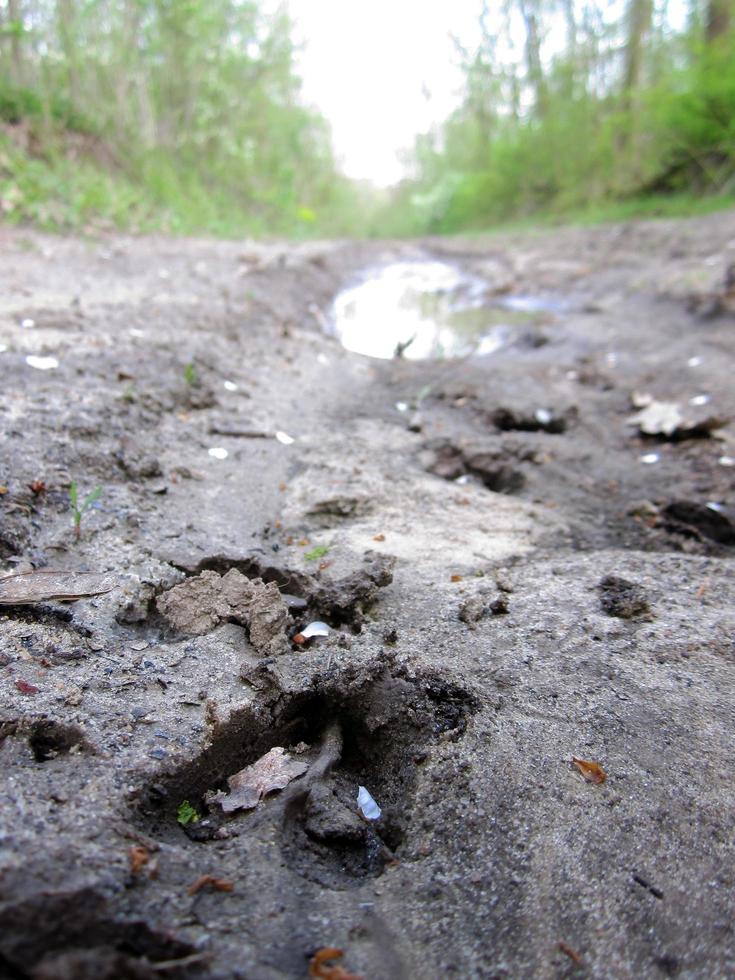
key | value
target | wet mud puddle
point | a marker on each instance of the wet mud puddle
(429, 309)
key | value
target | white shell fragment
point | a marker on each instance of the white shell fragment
(135, 332)
(27, 324)
(650, 458)
(726, 460)
(369, 808)
(315, 629)
(658, 418)
(284, 438)
(543, 416)
(230, 386)
(699, 400)
(694, 361)
(41, 363)
(219, 453)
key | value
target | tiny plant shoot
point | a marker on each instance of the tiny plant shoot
(186, 814)
(77, 511)
(190, 375)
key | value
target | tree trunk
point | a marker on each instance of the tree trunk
(720, 18)
(529, 12)
(15, 22)
(66, 23)
(639, 15)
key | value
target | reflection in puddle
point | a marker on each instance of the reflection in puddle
(425, 308)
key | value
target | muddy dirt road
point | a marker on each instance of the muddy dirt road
(523, 557)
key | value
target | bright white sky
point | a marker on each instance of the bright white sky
(381, 71)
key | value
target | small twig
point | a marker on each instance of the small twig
(183, 961)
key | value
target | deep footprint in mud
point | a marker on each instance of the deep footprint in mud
(374, 730)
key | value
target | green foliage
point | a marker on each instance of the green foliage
(195, 117)
(319, 552)
(186, 814)
(79, 511)
(587, 149)
(190, 375)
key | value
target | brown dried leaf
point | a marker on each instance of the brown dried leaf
(456, 578)
(138, 858)
(25, 688)
(30, 587)
(271, 772)
(210, 881)
(378, 537)
(318, 966)
(592, 771)
(571, 953)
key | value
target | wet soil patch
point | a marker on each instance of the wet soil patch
(374, 730)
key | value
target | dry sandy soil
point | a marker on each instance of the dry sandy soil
(506, 590)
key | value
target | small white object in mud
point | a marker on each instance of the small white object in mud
(284, 438)
(41, 363)
(402, 406)
(135, 332)
(650, 458)
(322, 358)
(230, 386)
(713, 505)
(543, 416)
(219, 453)
(27, 323)
(315, 629)
(726, 460)
(699, 400)
(369, 808)
(694, 361)
(3, 348)
(462, 480)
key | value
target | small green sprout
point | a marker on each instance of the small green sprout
(186, 814)
(190, 374)
(76, 511)
(319, 552)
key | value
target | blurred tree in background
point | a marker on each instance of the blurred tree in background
(579, 104)
(147, 108)
(185, 115)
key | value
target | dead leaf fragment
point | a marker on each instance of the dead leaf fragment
(273, 771)
(319, 968)
(138, 857)
(25, 688)
(210, 882)
(378, 537)
(592, 771)
(31, 587)
(571, 953)
(456, 578)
